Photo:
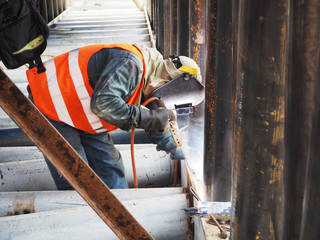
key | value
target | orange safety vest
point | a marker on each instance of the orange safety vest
(63, 92)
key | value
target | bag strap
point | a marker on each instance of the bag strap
(37, 62)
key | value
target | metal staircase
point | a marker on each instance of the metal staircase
(30, 206)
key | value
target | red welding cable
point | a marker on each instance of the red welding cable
(135, 179)
(175, 173)
(133, 161)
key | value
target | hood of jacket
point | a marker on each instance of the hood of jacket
(158, 71)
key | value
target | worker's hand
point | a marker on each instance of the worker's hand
(156, 119)
(177, 154)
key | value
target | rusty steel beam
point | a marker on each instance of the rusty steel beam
(183, 27)
(259, 116)
(56, 8)
(210, 83)
(218, 147)
(166, 28)
(50, 10)
(302, 91)
(173, 26)
(160, 26)
(68, 162)
(197, 32)
(310, 221)
(44, 10)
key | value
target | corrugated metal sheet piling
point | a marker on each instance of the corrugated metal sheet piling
(260, 81)
(302, 135)
(218, 107)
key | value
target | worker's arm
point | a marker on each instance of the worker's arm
(114, 75)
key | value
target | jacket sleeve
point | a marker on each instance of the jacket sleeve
(117, 82)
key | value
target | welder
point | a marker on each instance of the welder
(90, 91)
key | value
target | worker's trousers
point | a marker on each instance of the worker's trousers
(98, 151)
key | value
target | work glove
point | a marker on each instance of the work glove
(165, 143)
(156, 119)
(177, 154)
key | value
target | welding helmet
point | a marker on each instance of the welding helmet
(186, 64)
(181, 93)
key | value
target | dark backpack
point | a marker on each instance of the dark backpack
(23, 34)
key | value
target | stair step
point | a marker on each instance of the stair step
(154, 169)
(95, 13)
(7, 122)
(17, 203)
(15, 154)
(102, 23)
(96, 33)
(101, 17)
(101, 40)
(162, 217)
(67, 27)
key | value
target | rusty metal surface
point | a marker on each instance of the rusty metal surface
(302, 139)
(260, 78)
(218, 125)
(310, 221)
(68, 162)
(197, 33)
(183, 27)
(210, 84)
(173, 26)
(166, 28)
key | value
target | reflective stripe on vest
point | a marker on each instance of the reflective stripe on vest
(63, 92)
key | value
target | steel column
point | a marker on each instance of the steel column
(68, 162)
(60, 6)
(173, 26)
(311, 208)
(183, 28)
(210, 85)
(261, 75)
(56, 8)
(302, 92)
(197, 47)
(155, 18)
(218, 134)
(50, 10)
(44, 9)
(166, 28)
(160, 26)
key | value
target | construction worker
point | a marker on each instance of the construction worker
(88, 92)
